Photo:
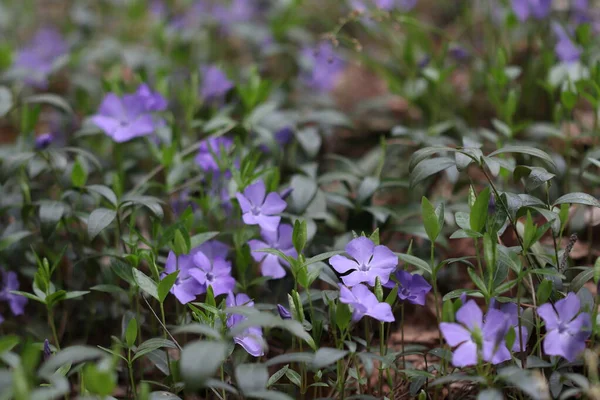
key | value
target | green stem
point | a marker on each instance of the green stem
(53, 327)
(162, 315)
(402, 335)
(131, 380)
(436, 292)
(382, 352)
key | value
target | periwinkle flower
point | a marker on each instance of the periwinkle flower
(284, 313)
(322, 67)
(566, 328)
(16, 302)
(153, 101)
(260, 210)
(364, 302)
(251, 339)
(512, 313)
(361, 5)
(214, 272)
(474, 336)
(36, 60)
(280, 239)
(238, 11)
(538, 9)
(186, 287)
(566, 50)
(411, 288)
(215, 84)
(368, 263)
(124, 118)
(211, 148)
(43, 141)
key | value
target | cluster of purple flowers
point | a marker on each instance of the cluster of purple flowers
(370, 262)
(483, 337)
(130, 116)
(8, 283)
(36, 61)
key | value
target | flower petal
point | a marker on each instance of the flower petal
(271, 267)
(470, 315)
(244, 203)
(547, 313)
(267, 222)
(273, 204)
(255, 193)
(361, 249)
(382, 312)
(342, 264)
(568, 307)
(383, 258)
(465, 355)
(454, 333)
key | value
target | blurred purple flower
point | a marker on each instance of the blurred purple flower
(258, 209)
(538, 9)
(368, 263)
(208, 147)
(362, 5)
(511, 311)
(566, 331)
(124, 118)
(153, 101)
(36, 60)
(364, 302)
(285, 193)
(215, 84)
(186, 288)
(458, 53)
(16, 302)
(238, 11)
(473, 336)
(280, 239)
(214, 271)
(284, 313)
(252, 338)
(47, 350)
(323, 67)
(566, 50)
(43, 141)
(412, 288)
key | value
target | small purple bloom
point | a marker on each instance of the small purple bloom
(458, 53)
(412, 288)
(186, 288)
(368, 263)
(237, 12)
(567, 329)
(538, 9)
(323, 67)
(280, 239)
(512, 313)
(210, 148)
(16, 302)
(37, 58)
(215, 84)
(364, 302)
(284, 313)
(252, 338)
(43, 141)
(473, 336)
(153, 101)
(566, 50)
(124, 118)
(260, 210)
(47, 351)
(361, 5)
(214, 272)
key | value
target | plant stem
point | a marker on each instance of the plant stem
(131, 380)
(402, 335)
(53, 328)
(162, 315)
(436, 292)
(382, 352)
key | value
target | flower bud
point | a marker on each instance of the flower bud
(283, 312)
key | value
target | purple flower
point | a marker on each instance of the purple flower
(258, 210)
(186, 288)
(153, 101)
(538, 9)
(36, 60)
(280, 239)
(566, 331)
(16, 302)
(124, 118)
(238, 11)
(512, 313)
(47, 350)
(215, 84)
(565, 49)
(323, 67)
(214, 271)
(210, 148)
(458, 53)
(473, 336)
(284, 313)
(362, 5)
(43, 141)
(369, 262)
(363, 302)
(252, 338)
(411, 287)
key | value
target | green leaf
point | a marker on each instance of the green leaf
(6, 101)
(367, 188)
(415, 261)
(9, 240)
(323, 256)
(165, 285)
(52, 211)
(391, 297)
(98, 220)
(105, 192)
(326, 356)
(477, 281)
(299, 235)
(51, 99)
(577, 198)
(201, 238)
(28, 295)
(294, 377)
(251, 377)
(544, 291)
(75, 294)
(277, 376)
(131, 332)
(79, 174)
(199, 329)
(145, 283)
(200, 360)
(430, 219)
(479, 211)
(581, 279)
(532, 151)
(426, 168)
(70, 355)
(8, 342)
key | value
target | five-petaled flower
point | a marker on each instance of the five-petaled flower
(186, 287)
(565, 49)
(260, 210)
(369, 262)
(252, 338)
(280, 239)
(214, 272)
(211, 149)
(321, 67)
(476, 337)
(8, 283)
(566, 328)
(412, 288)
(364, 302)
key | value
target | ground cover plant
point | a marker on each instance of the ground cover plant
(299, 199)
